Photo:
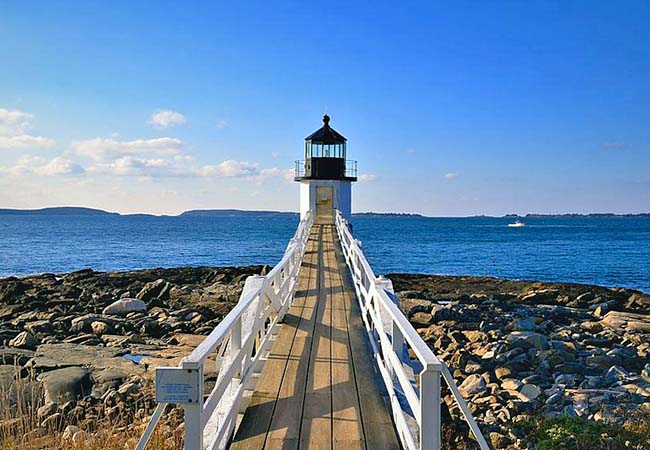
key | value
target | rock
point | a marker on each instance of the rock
(421, 319)
(46, 410)
(25, 340)
(69, 432)
(39, 328)
(99, 328)
(473, 367)
(498, 440)
(129, 389)
(502, 372)
(510, 384)
(645, 374)
(124, 306)
(540, 296)
(615, 374)
(592, 327)
(55, 421)
(530, 392)
(79, 437)
(473, 384)
(586, 297)
(11, 289)
(624, 321)
(66, 384)
(536, 340)
(527, 324)
(411, 306)
(155, 290)
(443, 312)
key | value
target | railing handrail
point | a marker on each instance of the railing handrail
(374, 296)
(242, 349)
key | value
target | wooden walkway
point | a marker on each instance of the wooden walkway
(318, 389)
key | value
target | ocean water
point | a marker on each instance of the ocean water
(604, 251)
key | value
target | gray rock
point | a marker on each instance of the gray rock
(527, 324)
(615, 374)
(124, 306)
(537, 340)
(158, 290)
(530, 392)
(25, 340)
(66, 384)
(473, 384)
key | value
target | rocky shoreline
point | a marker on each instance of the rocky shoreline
(81, 346)
(520, 350)
(72, 356)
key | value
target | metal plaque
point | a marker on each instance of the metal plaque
(177, 385)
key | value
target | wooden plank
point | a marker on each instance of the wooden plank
(319, 390)
(284, 432)
(377, 425)
(252, 432)
(347, 430)
(316, 427)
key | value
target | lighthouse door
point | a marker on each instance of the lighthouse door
(324, 205)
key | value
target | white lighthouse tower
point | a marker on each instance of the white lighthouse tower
(325, 175)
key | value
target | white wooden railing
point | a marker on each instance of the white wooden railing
(414, 398)
(236, 349)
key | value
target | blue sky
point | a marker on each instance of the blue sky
(455, 108)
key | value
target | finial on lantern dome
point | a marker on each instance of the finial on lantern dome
(326, 119)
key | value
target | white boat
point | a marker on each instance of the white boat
(517, 224)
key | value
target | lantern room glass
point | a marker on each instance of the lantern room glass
(320, 150)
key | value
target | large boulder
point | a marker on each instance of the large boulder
(124, 306)
(66, 384)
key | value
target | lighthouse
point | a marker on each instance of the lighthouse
(325, 175)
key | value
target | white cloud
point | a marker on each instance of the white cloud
(365, 177)
(103, 149)
(142, 167)
(230, 168)
(451, 175)
(59, 166)
(41, 166)
(14, 125)
(221, 124)
(275, 155)
(409, 150)
(25, 141)
(13, 121)
(166, 118)
(286, 174)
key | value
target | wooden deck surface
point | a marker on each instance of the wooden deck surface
(318, 389)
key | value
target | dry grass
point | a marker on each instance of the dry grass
(20, 427)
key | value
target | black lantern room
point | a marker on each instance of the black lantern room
(325, 156)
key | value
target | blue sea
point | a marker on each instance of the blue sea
(603, 251)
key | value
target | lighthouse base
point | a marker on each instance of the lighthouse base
(323, 197)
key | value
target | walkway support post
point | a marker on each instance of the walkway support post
(430, 409)
(192, 411)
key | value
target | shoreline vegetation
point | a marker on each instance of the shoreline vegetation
(82, 211)
(542, 365)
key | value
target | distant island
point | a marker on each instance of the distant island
(81, 211)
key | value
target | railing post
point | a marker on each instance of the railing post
(430, 409)
(235, 342)
(192, 413)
